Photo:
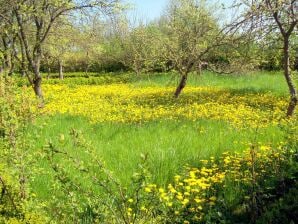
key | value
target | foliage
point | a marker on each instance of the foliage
(236, 187)
(191, 29)
(17, 202)
(282, 210)
(138, 48)
(280, 19)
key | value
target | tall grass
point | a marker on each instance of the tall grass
(252, 82)
(169, 145)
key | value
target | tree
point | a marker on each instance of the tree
(89, 41)
(192, 31)
(136, 45)
(271, 53)
(35, 19)
(279, 17)
(59, 44)
(135, 49)
(8, 38)
(142, 48)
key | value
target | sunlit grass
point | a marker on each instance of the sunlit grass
(169, 145)
(122, 103)
(260, 82)
(172, 132)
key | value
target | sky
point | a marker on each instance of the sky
(152, 9)
(148, 9)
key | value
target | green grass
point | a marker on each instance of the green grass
(170, 145)
(253, 82)
(78, 74)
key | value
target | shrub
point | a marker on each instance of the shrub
(235, 188)
(17, 203)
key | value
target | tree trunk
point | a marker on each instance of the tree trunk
(49, 72)
(5, 55)
(37, 77)
(61, 69)
(36, 82)
(23, 62)
(199, 70)
(87, 69)
(23, 73)
(37, 86)
(287, 74)
(181, 85)
(34, 59)
(87, 63)
(11, 67)
(13, 56)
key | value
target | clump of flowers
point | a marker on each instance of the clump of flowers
(122, 103)
(201, 193)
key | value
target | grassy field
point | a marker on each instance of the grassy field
(138, 115)
(252, 82)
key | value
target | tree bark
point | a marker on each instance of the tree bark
(23, 73)
(13, 55)
(61, 69)
(37, 86)
(33, 60)
(49, 72)
(87, 63)
(23, 59)
(6, 64)
(37, 77)
(287, 74)
(11, 68)
(200, 69)
(181, 85)
(87, 69)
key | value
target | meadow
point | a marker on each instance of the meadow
(215, 114)
(181, 152)
(185, 113)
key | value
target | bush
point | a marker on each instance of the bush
(17, 203)
(236, 188)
